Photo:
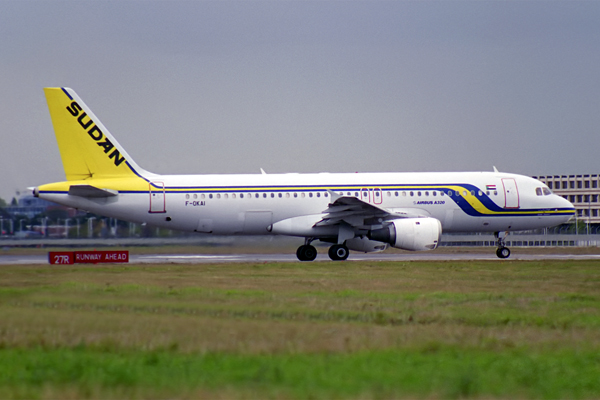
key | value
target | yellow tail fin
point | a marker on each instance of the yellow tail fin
(87, 148)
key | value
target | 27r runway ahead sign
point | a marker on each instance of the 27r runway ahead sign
(88, 257)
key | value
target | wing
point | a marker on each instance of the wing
(362, 215)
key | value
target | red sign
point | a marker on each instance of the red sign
(60, 257)
(88, 257)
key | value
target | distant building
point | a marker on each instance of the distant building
(581, 190)
(29, 207)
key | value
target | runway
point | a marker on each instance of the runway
(7, 259)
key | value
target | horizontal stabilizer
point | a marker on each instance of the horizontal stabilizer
(91, 191)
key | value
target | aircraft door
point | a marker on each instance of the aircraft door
(377, 196)
(157, 197)
(373, 196)
(511, 193)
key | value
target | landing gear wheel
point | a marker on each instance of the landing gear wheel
(338, 252)
(306, 252)
(503, 252)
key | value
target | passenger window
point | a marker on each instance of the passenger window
(202, 196)
(318, 194)
(303, 195)
(272, 195)
(287, 195)
(280, 195)
(218, 196)
(210, 196)
(426, 193)
(310, 195)
(326, 195)
(412, 194)
(241, 195)
(187, 196)
(264, 195)
(295, 194)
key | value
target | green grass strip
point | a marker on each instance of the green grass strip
(443, 371)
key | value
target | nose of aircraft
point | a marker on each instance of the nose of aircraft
(566, 205)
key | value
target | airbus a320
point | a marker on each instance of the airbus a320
(365, 212)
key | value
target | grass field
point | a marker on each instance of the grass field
(499, 329)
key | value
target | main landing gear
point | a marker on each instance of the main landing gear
(338, 252)
(502, 251)
(307, 252)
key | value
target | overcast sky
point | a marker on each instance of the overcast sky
(232, 87)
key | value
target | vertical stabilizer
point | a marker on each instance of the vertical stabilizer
(87, 148)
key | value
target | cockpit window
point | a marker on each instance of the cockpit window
(542, 191)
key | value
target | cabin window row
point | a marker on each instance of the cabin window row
(435, 193)
(254, 195)
(365, 194)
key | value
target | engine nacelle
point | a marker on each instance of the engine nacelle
(365, 245)
(410, 233)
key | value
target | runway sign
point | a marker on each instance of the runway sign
(88, 257)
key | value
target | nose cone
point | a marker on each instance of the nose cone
(565, 208)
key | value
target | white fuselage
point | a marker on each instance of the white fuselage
(250, 204)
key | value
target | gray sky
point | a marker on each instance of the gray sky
(230, 87)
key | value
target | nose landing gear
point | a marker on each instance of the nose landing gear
(502, 251)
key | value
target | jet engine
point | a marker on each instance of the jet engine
(365, 245)
(410, 233)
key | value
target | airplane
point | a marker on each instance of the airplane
(365, 212)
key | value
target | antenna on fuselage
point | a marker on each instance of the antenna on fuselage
(495, 169)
